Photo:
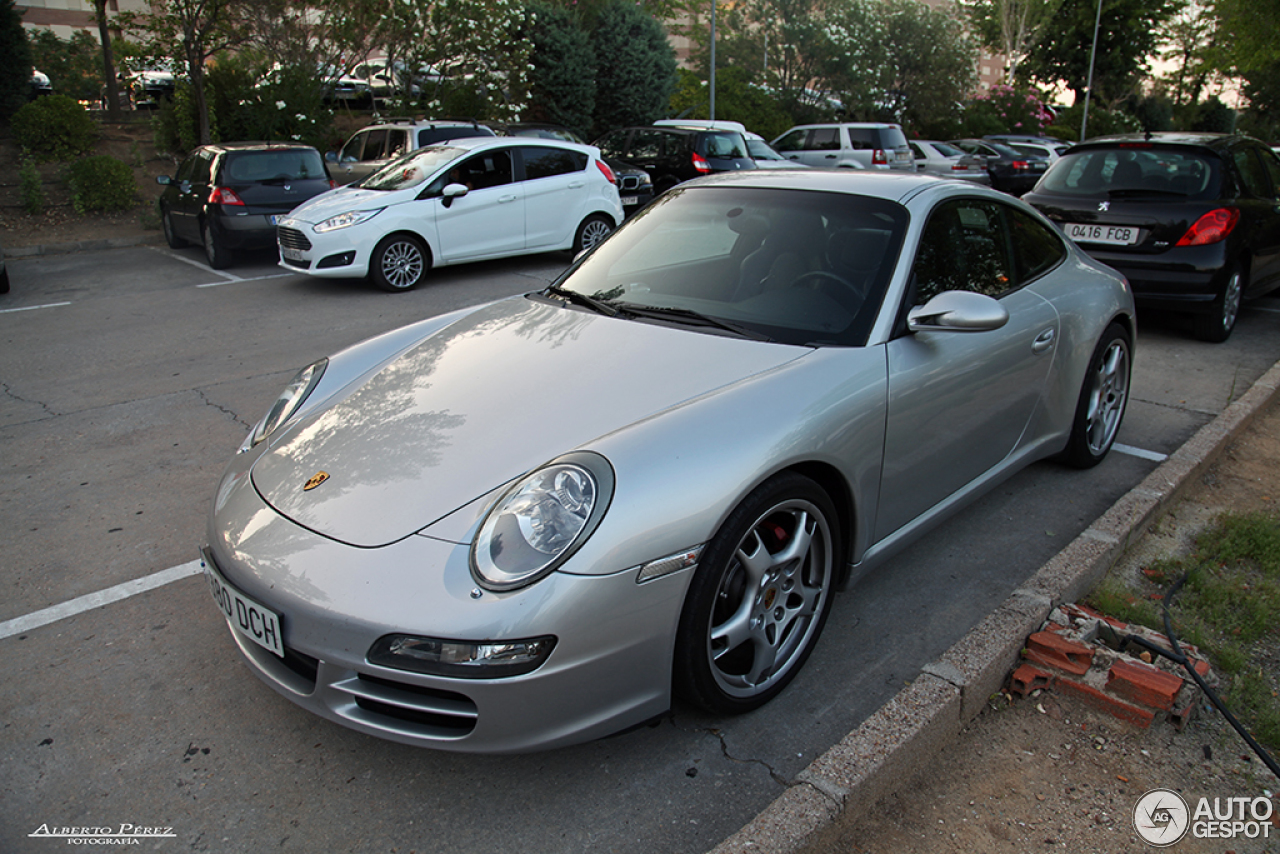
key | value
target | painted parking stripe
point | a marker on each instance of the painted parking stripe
(238, 280)
(33, 307)
(89, 601)
(1140, 453)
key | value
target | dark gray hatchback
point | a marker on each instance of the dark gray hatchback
(674, 154)
(228, 196)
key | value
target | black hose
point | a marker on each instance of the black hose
(1177, 656)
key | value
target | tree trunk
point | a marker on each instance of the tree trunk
(108, 62)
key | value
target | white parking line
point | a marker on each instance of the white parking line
(33, 307)
(89, 601)
(1139, 452)
(237, 280)
(229, 278)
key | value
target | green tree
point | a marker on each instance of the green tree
(1011, 28)
(932, 63)
(74, 65)
(635, 68)
(736, 100)
(1190, 42)
(1262, 117)
(1127, 37)
(562, 86)
(15, 70)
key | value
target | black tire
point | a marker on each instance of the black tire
(759, 597)
(218, 257)
(1216, 326)
(4, 281)
(170, 236)
(593, 230)
(399, 263)
(1104, 396)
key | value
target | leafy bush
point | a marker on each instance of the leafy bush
(30, 186)
(15, 70)
(55, 127)
(1101, 122)
(74, 65)
(101, 183)
(1005, 109)
(176, 126)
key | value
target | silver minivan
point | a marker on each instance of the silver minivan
(848, 145)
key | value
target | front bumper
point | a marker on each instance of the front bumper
(305, 252)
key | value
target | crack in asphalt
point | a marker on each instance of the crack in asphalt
(725, 751)
(234, 417)
(1175, 407)
(8, 392)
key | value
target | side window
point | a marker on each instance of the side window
(963, 248)
(917, 151)
(375, 143)
(824, 139)
(1036, 248)
(352, 150)
(1272, 161)
(203, 168)
(793, 141)
(490, 169)
(861, 138)
(542, 162)
(397, 143)
(1257, 181)
(186, 169)
(646, 143)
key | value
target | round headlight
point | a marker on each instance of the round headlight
(288, 403)
(541, 521)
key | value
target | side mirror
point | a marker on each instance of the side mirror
(453, 191)
(164, 180)
(958, 311)
(331, 157)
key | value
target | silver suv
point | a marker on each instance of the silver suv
(373, 147)
(848, 145)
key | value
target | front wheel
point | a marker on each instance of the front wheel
(170, 236)
(1215, 327)
(1103, 399)
(399, 263)
(592, 232)
(759, 598)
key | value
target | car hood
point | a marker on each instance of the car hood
(496, 394)
(344, 199)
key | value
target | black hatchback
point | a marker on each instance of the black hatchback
(674, 154)
(1191, 219)
(227, 197)
(1011, 171)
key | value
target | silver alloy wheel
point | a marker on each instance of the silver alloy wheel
(1108, 396)
(401, 264)
(593, 232)
(769, 599)
(1231, 298)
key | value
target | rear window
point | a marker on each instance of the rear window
(726, 145)
(429, 136)
(1134, 172)
(289, 164)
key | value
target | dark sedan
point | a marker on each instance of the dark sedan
(1191, 219)
(227, 197)
(1011, 171)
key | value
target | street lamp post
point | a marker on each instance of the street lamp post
(1088, 91)
(713, 60)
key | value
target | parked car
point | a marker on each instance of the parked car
(149, 85)
(336, 87)
(635, 186)
(40, 84)
(388, 80)
(672, 155)
(465, 200)
(1046, 152)
(946, 161)
(1031, 138)
(764, 155)
(1011, 171)
(850, 145)
(228, 196)
(372, 148)
(1192, 220)
(522, 525)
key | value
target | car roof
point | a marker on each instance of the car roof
(260, 145)
(897, 186)
(418, 124)
(471, 143)
(1213, 141)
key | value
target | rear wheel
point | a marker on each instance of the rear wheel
(399, 263)
(1103, 399)
(1215, 327)
(219, 257)
(759, 598)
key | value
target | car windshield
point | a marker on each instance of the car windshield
(278, 165)
(760, 150)
(412, 169)
(1140, 171)
(795, 266)
(946, 149)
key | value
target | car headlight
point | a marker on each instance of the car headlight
(462, 659)
(345, 220)
(288, 403)
(541, 521)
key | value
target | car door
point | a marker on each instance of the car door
(181, 201)
(1259, 170)
(489, 220)
(555, 194)
(193, 190)
(960, 402)
(822, 149)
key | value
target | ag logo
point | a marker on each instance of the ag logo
(315, 480)
(1161, 817)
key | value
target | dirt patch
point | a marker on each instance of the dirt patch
(1050, 773)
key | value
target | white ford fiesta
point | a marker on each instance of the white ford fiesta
(467, 200)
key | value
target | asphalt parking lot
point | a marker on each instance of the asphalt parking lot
(131, 375)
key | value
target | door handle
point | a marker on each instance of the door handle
(504, 199)
(1043, 342)
(832, 156)
(576, 184)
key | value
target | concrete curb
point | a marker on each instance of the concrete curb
(20, 252)
(900, 739)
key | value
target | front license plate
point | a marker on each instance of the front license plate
(1114, 235)
(630, 200)
(292, 254)
(251, 620)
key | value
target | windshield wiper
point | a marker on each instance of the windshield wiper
(582, 299)
(689, 315)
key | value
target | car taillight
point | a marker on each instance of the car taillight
(333, 185)
(880, 157)
(1211, 228)
(700, 163)
(1019, 164)
(959, 167)
(606, 172)
(224, 196)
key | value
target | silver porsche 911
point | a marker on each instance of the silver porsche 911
(535, 522)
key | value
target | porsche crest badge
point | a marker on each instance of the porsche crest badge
(315, 480)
